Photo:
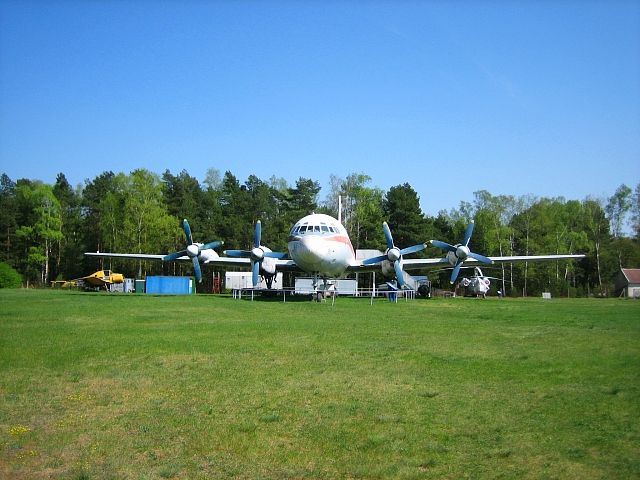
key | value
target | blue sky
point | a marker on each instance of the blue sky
(453, 97)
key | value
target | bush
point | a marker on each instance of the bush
(9, 277)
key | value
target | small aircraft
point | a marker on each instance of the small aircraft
(99, 279)
(320, 246)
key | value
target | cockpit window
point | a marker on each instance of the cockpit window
(322, 228)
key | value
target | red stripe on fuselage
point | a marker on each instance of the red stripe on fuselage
(341, 239)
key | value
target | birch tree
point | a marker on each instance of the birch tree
(42, 228)
(597, 227)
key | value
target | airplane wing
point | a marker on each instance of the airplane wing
(133, 256)
(409, 264)
(281, 265)
(284, 265)
(524, 258)
(426, 263)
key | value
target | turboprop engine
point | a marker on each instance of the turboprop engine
(197, 252)
(457, 254)
(263, 260)
(391, 261)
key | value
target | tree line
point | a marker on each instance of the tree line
(45, 229)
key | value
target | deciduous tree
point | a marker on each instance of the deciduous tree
(41, 230)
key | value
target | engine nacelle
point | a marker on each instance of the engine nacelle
(268, 266)
(208, 255)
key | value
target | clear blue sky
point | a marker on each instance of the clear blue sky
(536, 97)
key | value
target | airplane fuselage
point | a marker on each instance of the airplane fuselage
(319, 244)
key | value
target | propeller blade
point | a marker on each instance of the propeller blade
(387, 235)
(196, 269)
(255, 274)
(238, 253)
(413, 249)
(480, 258)
(212, 245)
(371, 261)
(187, 231)
(468, 233)
(279, 255)
(174, 256)
(443, 245)
(455, 272)
(258, 234)
(399, 273)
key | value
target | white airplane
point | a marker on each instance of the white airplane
(319, 245)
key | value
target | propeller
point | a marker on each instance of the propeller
(192, 250)
(461, 252)
(257, 254)
(394, 254)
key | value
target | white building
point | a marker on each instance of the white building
(628, 283)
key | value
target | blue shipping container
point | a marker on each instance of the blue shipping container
(169, 285)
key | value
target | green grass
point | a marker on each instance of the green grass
(98, 386)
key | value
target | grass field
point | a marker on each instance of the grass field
(131, 386)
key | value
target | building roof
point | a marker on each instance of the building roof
(631, 274)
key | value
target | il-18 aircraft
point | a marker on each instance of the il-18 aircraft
(319, 245)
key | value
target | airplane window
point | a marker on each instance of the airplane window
(303, 229)
(325, 228)
(316, 228)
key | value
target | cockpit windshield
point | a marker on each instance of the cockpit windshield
(323, 228)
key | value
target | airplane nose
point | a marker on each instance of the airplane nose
(315, 251)
(314, 247)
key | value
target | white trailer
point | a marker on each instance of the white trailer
(239, 280)
(342, 286)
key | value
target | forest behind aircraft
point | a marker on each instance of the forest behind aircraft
(141, 212)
